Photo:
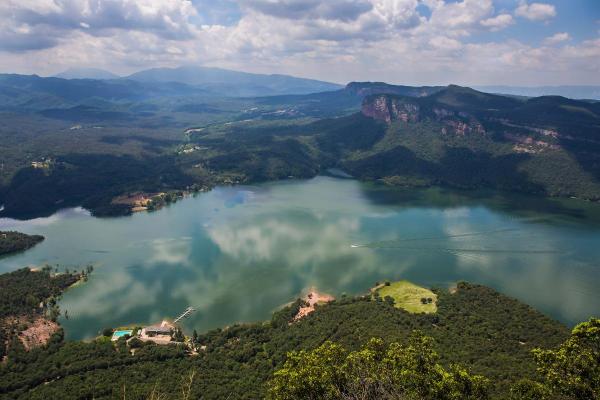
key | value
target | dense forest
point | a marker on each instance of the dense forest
(87, 152)
(486, 333)
(26, 294)
(12, 242)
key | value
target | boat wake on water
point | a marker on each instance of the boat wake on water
(465, 250)
(400, 244)
(441, 237)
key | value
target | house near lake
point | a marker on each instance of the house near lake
(161, 333)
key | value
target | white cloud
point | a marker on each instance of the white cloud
(460, 17)
(383, 40)
(498, 22)
(27, 25)
(445, 43)
(536, 11)
(557, 38)
(344, 10)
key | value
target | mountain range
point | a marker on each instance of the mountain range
(86, 73)
(216, 81)
(573, 91)
(248, 84)
(87, 141)
(233, 83)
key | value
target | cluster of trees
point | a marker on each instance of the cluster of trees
(475, 327)
(11, 241)
(572, 370)
(22, 291)
(26, 293)
(329, 353)
(376, 371)
(160, 201)
(91, 180)
(413, 371)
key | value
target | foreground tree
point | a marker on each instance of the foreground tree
(573, 370)
(376, 371)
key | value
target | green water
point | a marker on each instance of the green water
(237, 253)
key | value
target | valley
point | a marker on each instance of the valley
(398, 135)
(299, 200)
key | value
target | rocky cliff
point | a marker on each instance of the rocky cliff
(388, 109)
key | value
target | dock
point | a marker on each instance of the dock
(188, 311)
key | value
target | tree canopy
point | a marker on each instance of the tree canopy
(376, 371)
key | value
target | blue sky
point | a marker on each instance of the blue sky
(470, 42)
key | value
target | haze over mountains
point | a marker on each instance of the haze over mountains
(86, 73)
(240, 84)
(218, 81)
(573, 92)
(234, 83)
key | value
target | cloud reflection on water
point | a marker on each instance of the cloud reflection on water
(273, 241)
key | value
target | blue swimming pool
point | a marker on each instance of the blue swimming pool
(117, 334)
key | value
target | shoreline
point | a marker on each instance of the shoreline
(379, 182)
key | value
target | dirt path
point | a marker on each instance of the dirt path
(312, 298)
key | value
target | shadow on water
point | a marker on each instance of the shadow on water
(527, 208)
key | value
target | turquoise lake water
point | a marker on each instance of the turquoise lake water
(236, 254)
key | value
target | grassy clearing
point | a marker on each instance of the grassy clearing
(408, 296)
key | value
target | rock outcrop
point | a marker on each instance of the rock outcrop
(388, 109)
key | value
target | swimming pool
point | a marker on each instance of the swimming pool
(117, 334)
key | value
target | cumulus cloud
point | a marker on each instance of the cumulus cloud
(557, 38)
(536, 11)
(344, 10)
(445, 43)
(338, 40)
(498, 22)
(33, 24)
(460, 16)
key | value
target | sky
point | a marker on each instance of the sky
(418, 42)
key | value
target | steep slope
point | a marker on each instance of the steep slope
(342, 101)
(462, 137)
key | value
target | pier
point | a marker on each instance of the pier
(184, 314)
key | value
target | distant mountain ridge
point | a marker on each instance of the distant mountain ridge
(570, 91)
(363, 89)
(32, 91)
(86, 73)
(234, 83)
(161, 82)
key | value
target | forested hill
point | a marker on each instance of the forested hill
(454, 136)
(28, 307)
(12, 242)
(91, 151)
(474, 326)
(462, 137)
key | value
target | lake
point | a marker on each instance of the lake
(236, 254)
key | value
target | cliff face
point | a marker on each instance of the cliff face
(388, 109)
